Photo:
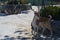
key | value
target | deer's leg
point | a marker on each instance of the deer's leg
(43, 31)
(37, 30)
(50, 29)
(51, 32)
(32, 28)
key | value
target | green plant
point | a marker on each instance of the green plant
(54, 11)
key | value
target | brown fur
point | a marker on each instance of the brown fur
(44, 21)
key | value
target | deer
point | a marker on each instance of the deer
(42, 22)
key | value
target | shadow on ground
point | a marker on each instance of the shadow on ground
(7, 37)
(17, 38)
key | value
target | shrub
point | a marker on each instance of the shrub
(54, 11)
